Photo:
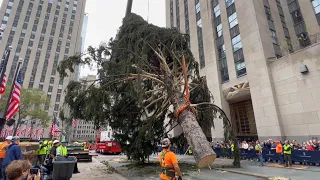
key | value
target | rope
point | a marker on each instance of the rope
(187, 96)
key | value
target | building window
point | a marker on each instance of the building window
(229, 2)
(233, 21)
(241, 68)
(274, 36)
(216, 11)
(316, 6)
(219, 30)
(236, 43)
(171, 14)
(199, 33)
(178, 14)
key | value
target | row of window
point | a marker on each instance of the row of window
(284, 25)
(199, 33)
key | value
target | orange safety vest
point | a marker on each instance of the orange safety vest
(167, 170)
(3, 146)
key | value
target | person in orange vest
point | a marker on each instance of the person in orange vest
(3, 148)
(279, 151)
(169, 162)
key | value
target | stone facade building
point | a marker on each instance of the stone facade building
(42, 33)
(254, 55)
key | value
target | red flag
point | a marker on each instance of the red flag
(35, 133)
(41, 132)
(4, 80)
(23, 131)
(74, 123)
(10, 133)
(18, 132)
(15, 98)
(3, 132)
(29, 132)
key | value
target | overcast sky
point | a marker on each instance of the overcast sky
(105, 17)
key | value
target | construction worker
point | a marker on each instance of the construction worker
(3, 148)
(62, 151)
(42, 151)
(287, 154)
(258, 149)
(50, 145)
(169, 162)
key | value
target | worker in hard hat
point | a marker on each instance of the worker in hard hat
(42, 151)
(3, 148)
(169, 162)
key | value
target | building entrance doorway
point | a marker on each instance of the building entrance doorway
(242, 118)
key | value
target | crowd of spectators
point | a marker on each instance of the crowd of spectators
(311, 145)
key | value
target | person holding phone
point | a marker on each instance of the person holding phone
(21, 169)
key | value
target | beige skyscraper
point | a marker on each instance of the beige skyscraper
(42, 33)
(261, 59)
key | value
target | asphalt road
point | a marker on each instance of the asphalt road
(204, 174)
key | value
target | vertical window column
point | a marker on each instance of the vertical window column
(178, 14)
(298, 23)
(171, 14)
(272, 29)
(236, 39)
(316, 6)
(186, 17)
(222, 60)
(285, 28)
(199, 33)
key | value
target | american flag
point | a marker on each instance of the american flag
(23, 131)
(54, 127)
(10, 133)
(74, 123)
(41, 133)
(15, 98)
(35, 133)
(18, 132)
(29, 132)
(4, 80)
(3, 132)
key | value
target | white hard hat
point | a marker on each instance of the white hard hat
(165, 142)
(9, 138)
(55, 141)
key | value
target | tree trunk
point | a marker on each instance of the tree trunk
(202, 151)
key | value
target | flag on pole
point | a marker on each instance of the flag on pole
(4, 80)
(74, 123)
(23, 131)
(15, 98)
(29, 132)
(54, 127)
(35, 133)
(41, 133)
(3, 132)
(18, 132)
(10, 133)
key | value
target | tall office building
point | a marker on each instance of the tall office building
(42, 33)
(261, 62)
(83, 40)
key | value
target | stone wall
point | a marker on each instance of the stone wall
(297, 94)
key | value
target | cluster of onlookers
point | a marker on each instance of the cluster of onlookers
(311, 145)
(12, 165)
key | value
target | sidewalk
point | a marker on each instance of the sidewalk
(251, 167)
(95, 171)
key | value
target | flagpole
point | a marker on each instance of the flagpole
(10, 94)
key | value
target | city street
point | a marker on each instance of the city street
(150, 172)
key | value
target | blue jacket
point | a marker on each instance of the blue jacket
(13, 153)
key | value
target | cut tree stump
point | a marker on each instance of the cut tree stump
(202, 151)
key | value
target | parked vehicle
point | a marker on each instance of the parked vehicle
(107, 146)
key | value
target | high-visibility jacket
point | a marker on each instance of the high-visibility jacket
(42, 149)
(168, 171)
(232, 147)
(63, 150)
(3, 147)
(287, 149)
(49, 147)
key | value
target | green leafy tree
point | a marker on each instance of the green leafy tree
(32, 105)
(141, 77)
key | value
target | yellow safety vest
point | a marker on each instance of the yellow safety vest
(232, 147)
(63, 151)
(287, 149)
(42, 151)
